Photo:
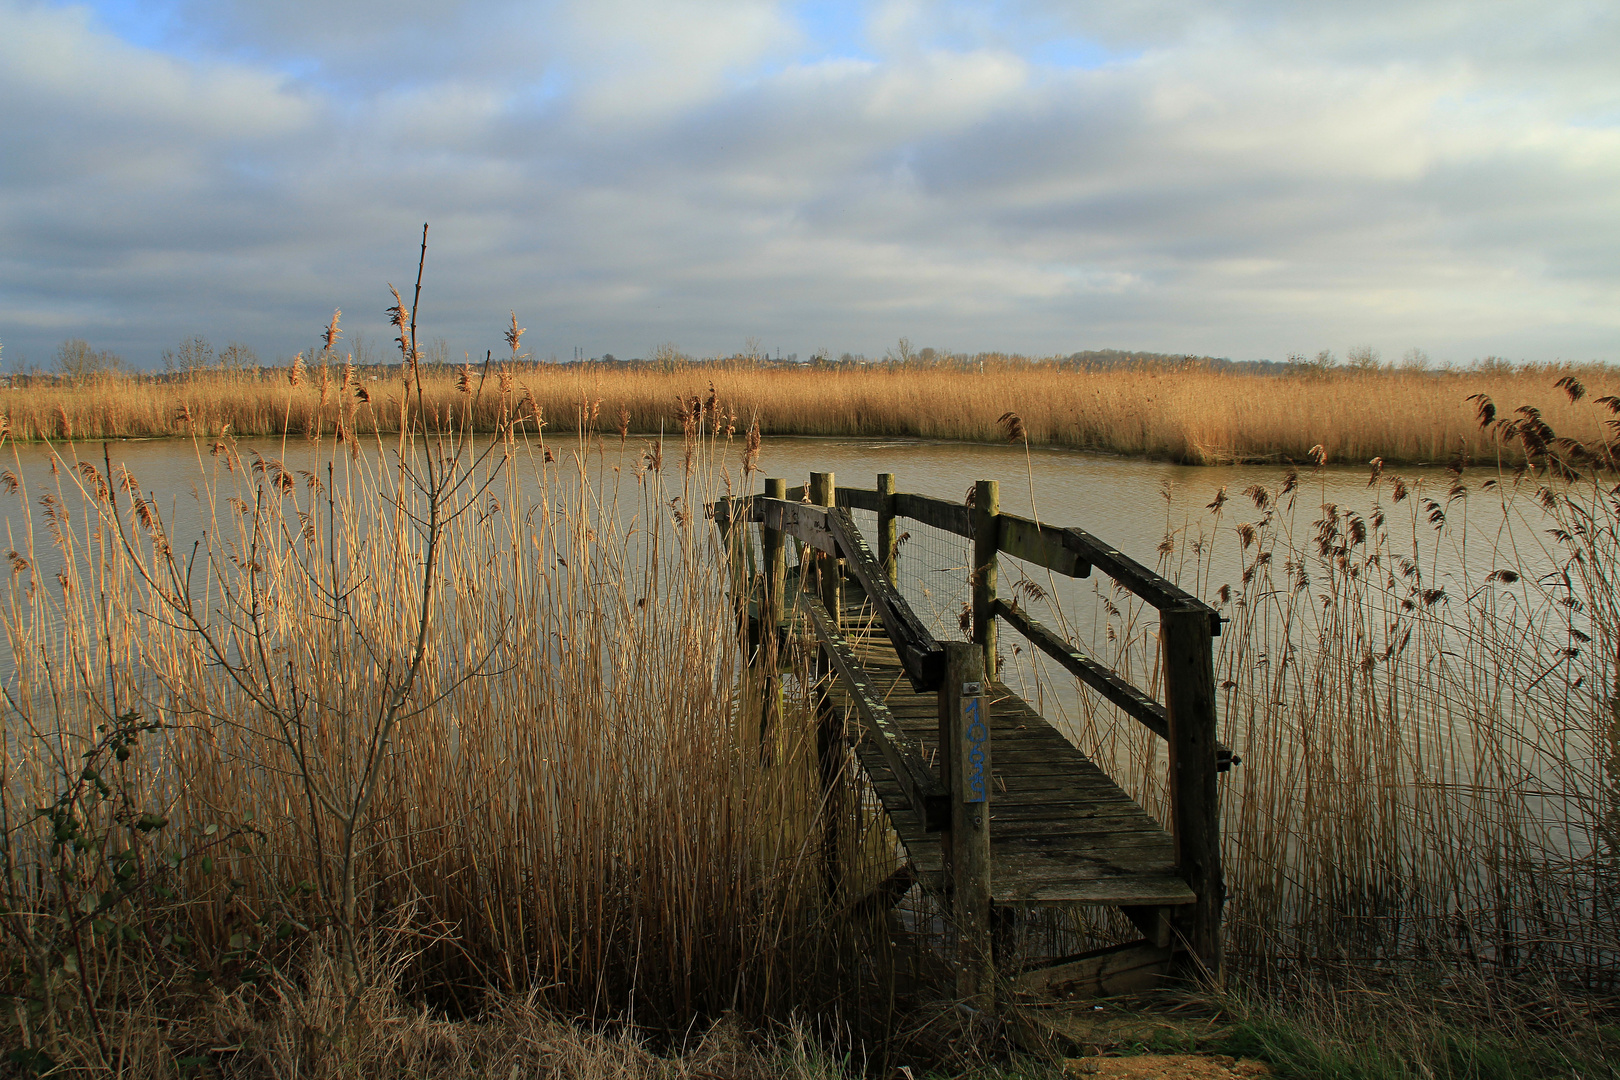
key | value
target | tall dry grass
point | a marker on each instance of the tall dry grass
(459, 715)
(1423, 687)
(462, 713)
(1189, 413)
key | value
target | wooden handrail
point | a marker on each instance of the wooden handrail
(948, 516)
(1158, 591)
(1094, 674)
(1041, 544)
(858, 499)
(833, 532)
(920, 654)
(807, 522)
(923, 789)
(1069, 551)
(1131, 701)
(951, 800)
(961, 671)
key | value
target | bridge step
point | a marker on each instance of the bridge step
(1119, 969)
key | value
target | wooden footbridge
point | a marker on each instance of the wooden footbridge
(994, 807)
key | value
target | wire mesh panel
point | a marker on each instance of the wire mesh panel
(934, 568)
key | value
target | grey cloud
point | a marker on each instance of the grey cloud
(1218, 193)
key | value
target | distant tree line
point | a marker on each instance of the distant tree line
(76, 362)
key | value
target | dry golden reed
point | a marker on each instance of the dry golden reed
(1424, 688)
(477, 696)
(1188, 413)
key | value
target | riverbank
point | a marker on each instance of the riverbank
(290, 1025)
(1188, 413)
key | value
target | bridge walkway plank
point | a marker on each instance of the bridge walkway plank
(1061, 831)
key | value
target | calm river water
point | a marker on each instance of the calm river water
(1132, 504)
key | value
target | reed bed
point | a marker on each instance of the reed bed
(449, 715)
(463, 715)
(1423, 688)
(1189, 413)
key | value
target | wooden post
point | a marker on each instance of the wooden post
(830, 728)
(773, 549)
(822, 492)
(738, 555)
(888, 535)
(1188, 650)
(986, 542)
(964, 717)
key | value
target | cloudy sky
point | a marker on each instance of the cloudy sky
(1245, 178)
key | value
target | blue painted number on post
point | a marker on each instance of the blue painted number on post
(975, 782)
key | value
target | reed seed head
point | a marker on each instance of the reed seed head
(514, 335)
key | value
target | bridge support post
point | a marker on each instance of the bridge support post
(888, 536)
(986, 542)
(964, 718)
(739, 555)
(1187, 646)
(830, 747)
(773, 551)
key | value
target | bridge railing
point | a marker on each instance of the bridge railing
(1186, 719)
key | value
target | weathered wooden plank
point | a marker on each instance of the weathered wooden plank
(1094, 674)
(1189, 680)
(1042, 809)
(1077, 878)
(1157, 590)
(1052, 747)
(1128, 698)
(1024, 747)
(1135, 891)
(907, 762)
(807, 522)
(1076, 770)
(1049, 877)
(1027, 739)
(963, 712)
(1059, 825)
(1040, 544)
(1142, 886)
(922, 656)
(1120, 969)
(832, 750)
(949, 516)
(1057, 760)
(858, 499)
(887, 535)
(1104, 847)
